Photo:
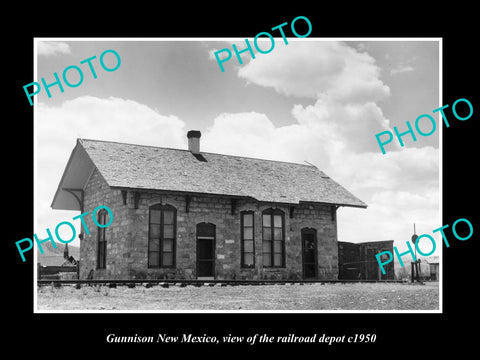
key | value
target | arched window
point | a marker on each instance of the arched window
(273, 238)
(101, 239)
(162, 223)
(247, 238)
(309, 253)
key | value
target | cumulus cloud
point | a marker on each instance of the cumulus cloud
(255, 135)
(354, 123)
(108, 119)
(51, 48)
(401, 69)
(413, 169)
(310, 69)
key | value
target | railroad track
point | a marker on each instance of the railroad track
(183, 283)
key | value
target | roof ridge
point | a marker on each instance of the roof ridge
(203, 152)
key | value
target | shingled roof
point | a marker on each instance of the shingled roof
(129, 166)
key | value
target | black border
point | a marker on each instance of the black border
(410, 334)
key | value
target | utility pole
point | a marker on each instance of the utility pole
(416, 263)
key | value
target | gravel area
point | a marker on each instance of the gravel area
(336, 296)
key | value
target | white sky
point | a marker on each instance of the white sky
(311, 100)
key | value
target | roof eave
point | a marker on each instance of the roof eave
(75, 156)
(364, 206)
(235, 196)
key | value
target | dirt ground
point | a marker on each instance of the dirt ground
(333, 296)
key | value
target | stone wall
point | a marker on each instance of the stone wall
(97, 193)
(127, 236)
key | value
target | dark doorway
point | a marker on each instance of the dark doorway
(205, 251)
(309, 253)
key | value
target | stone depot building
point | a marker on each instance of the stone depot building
(187, 214)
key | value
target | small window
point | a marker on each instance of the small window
(162, 236)
(247, 238)
(101, 240)
(273, 238)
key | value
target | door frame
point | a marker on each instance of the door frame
(315, 240)
(214, 240)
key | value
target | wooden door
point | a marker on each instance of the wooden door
(205, 251)
(309, 253)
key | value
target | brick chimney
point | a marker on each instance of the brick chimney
(194, 141)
